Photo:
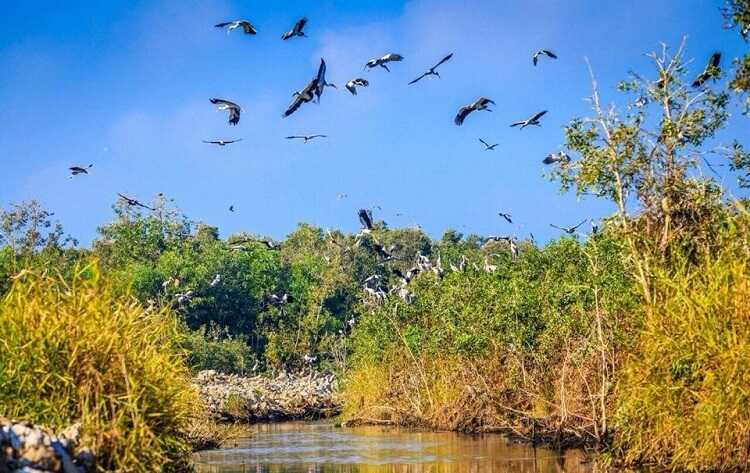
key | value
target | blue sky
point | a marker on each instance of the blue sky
(125, 85)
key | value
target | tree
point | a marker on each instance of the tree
(647, 159)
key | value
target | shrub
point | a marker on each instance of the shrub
(213, 349)
(684, 395)
(73, 351)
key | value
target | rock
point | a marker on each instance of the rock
(25, 447)
(258, 398)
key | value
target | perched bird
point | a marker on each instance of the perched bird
(233, 25)
(305, 137)
(352, 85)
(433, 70)
(215, 282)
(711, 71)
(76, 170)
(296, 30)
(543, 52)
(133, 202)
(234, 109)
(222, 142)
(382, 61)
(569, 230)
(506, 216)
(270, 244)
(560, 157)
(530, 121)
(481, 103)
(365, 218)
(273, 299)
(487, 146)
(513, 248)
(320, 80)
(184, 297)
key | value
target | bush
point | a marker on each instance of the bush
(684, 396)
(214, 349)
(72, 351)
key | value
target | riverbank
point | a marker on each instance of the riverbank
(227, 397)
(30, 448)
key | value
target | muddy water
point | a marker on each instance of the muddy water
(321, 447)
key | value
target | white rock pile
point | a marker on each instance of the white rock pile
(261, 398)
(28, 448)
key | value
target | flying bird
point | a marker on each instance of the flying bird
(233, 108)
(305, 137)
(303, 96)
(382, 61)
(481, 103)
(320, 80)
(433, 70)
(569, 230)
(487, 146)
(711, 71)
(296, 30)
(543, 52)
(506, 216)
(222, 142)
(133, 202)
(233, 25)
(76, 170)
(231, 208)
(530, 121)
(342, 195)
(560, 157)
(365, 218)
(352, 85)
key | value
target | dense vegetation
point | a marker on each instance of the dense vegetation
(633, 335)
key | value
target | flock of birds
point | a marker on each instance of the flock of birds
(313, 91)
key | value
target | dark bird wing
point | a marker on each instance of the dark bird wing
(295, 137)
(365, 218)
(321, 71)
(710, 71)
(463, 112)
(216, 101)
(300, 25)
(351, 87)
(234, 115)
(222, 25)
(483, 101)
(576, 227)
(483, 142)
(445, 59)
(535, 59)
(549, 159)
(715, 59)
(549, 53)
(294, 106)
(211, 142)
(392, 57)
(523, 122)
(248, 28)
(538, 116)
(418, 79)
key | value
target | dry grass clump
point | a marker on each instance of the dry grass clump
(75, 351)
(685, 394)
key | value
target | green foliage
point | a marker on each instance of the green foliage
(214, 349)
(737, 14)
(75, 351)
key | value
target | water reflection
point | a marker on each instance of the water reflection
(322, 448)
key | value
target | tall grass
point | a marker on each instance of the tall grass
(71, 350)
(684, 399)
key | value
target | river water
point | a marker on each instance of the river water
(322, 447)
